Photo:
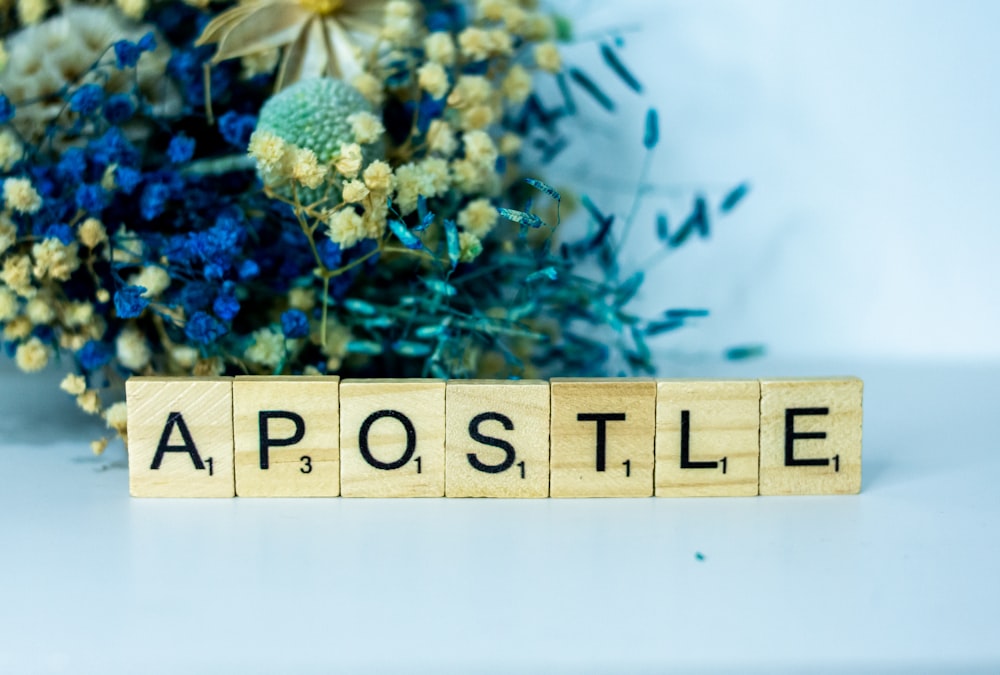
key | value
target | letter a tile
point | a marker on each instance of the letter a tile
(287, 436)
(498, 438)
(180, 437)
(707, 441)
(602, 437)
(810, 436)
(392, 438)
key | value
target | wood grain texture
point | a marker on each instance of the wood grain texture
(514, 412)
(191, 421)
(271, 410)
(628, 409)
(721, 421)
(795, 407)
(407, 469)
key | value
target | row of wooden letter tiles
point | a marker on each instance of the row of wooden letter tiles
(614, 437)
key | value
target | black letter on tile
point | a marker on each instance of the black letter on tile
(791, 436)
(601, 419)
(494, 442)
(686, 462)
(267, 442)
(411, 439)
(175, 419)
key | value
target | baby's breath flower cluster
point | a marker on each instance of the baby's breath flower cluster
(178, 198)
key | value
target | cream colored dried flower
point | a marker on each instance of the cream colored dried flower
(476, 117)
(302, 298)
(479, 148)
(116, 417)
(73, 384)
(31, 356)
(153, 278)
(17, 329)
(441, 138)
(8, 304)
(31, 11)
(77, 313)
(469, 246)
(367, 127)
(184, 356)
(478, 217)
(306, 168)
(8, 233)
(54, 260)
(370, 87)
(319, 37)
(547, 57)
(348, 162)
(510, 144)
(11, 149)
(470, 90)
(433, 79)
(517, 85)
(378, 177)
(267, 349)
(346, 228)
(16, 274)
(20, 195)
(440, 48)
(91, 233)
(39, 310)
(272, 154)
(133, 9)
(132, 349)
(89, 402)
(355, 192)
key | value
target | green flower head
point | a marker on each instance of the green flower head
(313, 114)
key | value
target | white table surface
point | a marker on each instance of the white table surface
(904, 577)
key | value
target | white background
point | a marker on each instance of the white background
(870, 132)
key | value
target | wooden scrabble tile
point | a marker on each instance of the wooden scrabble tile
(602, 437)
(392, 438)
(707, 438)
(810, 436)
(497, 442)
(287, 436)
(180, 437)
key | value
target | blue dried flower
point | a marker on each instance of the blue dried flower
(295, 324)
(181, 149)
(196, 296)
(118, 108)
(154, 200)
(113, 148)
(129, 302)
(93, 355)
(330, 253)
(226, 307)
(204, 328)
(72, 165)
(6, 109)
(127, 179)
(91, 198)
(249, 269)
(87, 99)
(236, 128)
(127, 54)
(147, 42)
(60, 231)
